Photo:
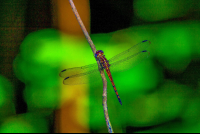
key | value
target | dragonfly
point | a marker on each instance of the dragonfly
(79, 75)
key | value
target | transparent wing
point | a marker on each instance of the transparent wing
(133, 55)
(78, 70)
(142, 46)
(126, 63)
(83, 78)
(79, 75)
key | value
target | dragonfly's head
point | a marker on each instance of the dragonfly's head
(99, 53)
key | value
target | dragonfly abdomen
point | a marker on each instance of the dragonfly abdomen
(106, 66)
(113, 84)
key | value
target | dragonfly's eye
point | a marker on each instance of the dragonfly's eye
(98, 53)
(101, 52)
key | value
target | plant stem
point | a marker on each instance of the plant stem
(87, 36)
(105, 107)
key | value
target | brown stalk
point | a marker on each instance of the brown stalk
(87, 36)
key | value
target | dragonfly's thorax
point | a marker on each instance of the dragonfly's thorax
(99, 53)
(102, 59)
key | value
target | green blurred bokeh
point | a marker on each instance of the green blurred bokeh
(37, 65)
(159, 10)
(25, 123)
(161, 91)
(7, 104)
(147, 96)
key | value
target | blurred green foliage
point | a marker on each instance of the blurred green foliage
(161, 91)
(158, 10)
(148, 98)
(6, 91)
(25, 123)
(157, 90)
(7, 102)
(163, 88)
(37, 65)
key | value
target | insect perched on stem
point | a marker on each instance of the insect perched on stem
(103, 63)
(78, 75)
